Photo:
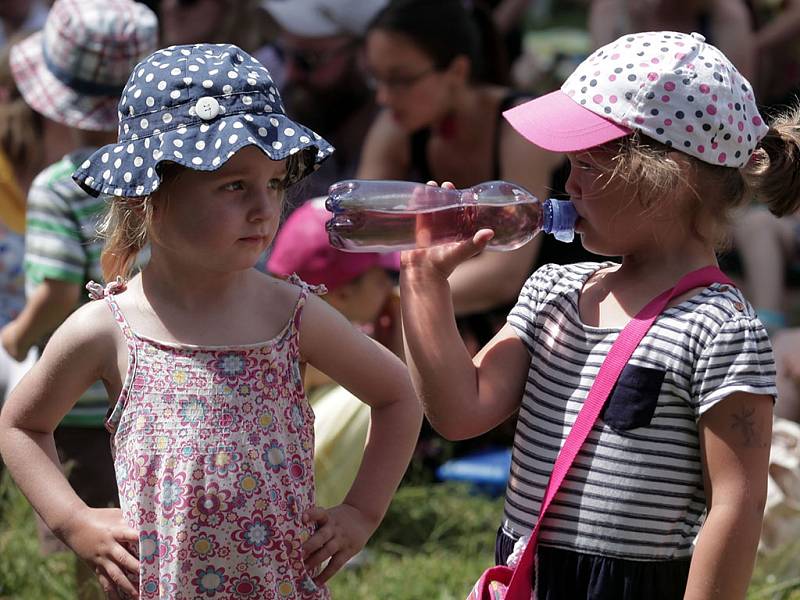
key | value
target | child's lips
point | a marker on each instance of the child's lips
(253, 239)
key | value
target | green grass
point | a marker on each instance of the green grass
(433, 544)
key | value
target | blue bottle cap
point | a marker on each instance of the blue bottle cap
(559, 219)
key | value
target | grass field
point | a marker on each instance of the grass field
(434, 542)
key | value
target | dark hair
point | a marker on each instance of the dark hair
(445, 29)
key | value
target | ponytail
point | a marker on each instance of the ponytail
(125, 229)
(773, 173)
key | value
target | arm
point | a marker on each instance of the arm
(462, 397)
(51, 302)
(378, 378)
(495, 278)
(735, 441)
(79, 353)
(55, 261)
(386, 153)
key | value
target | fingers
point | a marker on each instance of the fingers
(119, 582)
(316, 515)
(333, 567)
(317, 542)
(109, 588)
(331, 547)
(127, 561)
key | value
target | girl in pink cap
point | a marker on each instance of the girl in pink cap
(665, 140)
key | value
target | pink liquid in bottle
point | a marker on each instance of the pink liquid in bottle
(382, 216)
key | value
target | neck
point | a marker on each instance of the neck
(456, 121)
(660, 270)
(190, 289)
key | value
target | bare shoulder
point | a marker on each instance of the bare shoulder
(92, 324)
(85, 347)
(283, 295)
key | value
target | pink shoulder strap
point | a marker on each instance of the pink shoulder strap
(621, 351)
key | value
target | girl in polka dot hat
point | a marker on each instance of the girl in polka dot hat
(203, 356)
(665, 140)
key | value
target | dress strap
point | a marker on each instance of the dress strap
(107, 293)
(305, 289)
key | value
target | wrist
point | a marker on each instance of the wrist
(370, 517)
(420, 275)
(71, 522)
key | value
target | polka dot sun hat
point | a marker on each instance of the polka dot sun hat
(196, 105)
(672, 87)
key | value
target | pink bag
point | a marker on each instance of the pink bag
(504, 583)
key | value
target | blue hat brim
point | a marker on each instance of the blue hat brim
(130, 168)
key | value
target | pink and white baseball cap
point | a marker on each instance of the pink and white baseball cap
(672, 87)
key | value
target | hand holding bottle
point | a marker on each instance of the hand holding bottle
(441, 259)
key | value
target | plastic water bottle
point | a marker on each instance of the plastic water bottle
(384, 216)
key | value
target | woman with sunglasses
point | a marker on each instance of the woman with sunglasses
(439, 73)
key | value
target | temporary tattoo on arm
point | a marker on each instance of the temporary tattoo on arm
(744, 422)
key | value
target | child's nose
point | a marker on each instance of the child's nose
(265, 205)
(571, 186)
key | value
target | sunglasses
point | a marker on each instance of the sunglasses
(398, 84)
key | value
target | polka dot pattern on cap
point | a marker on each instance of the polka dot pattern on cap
(676, 89)
(196, 106)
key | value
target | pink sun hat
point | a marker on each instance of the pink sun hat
(672, 87)
(301, 247)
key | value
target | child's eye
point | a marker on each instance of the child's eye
(233, 186)
(276, 184)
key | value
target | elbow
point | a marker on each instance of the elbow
(449, 428)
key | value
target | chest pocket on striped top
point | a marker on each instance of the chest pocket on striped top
(633, 400)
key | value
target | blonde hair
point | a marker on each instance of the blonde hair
(125, 227)
(128, 223)
(771, 176)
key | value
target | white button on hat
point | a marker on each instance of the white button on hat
(207, 108)
(698, 36)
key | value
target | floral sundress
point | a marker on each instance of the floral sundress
(213, 451)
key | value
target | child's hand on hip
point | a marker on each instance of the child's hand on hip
(340, 533)
(101, 537)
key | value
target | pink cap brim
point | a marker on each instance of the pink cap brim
(556, 122)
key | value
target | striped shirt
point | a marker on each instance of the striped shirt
(61, 244)
(61, 231)
(635, 490)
